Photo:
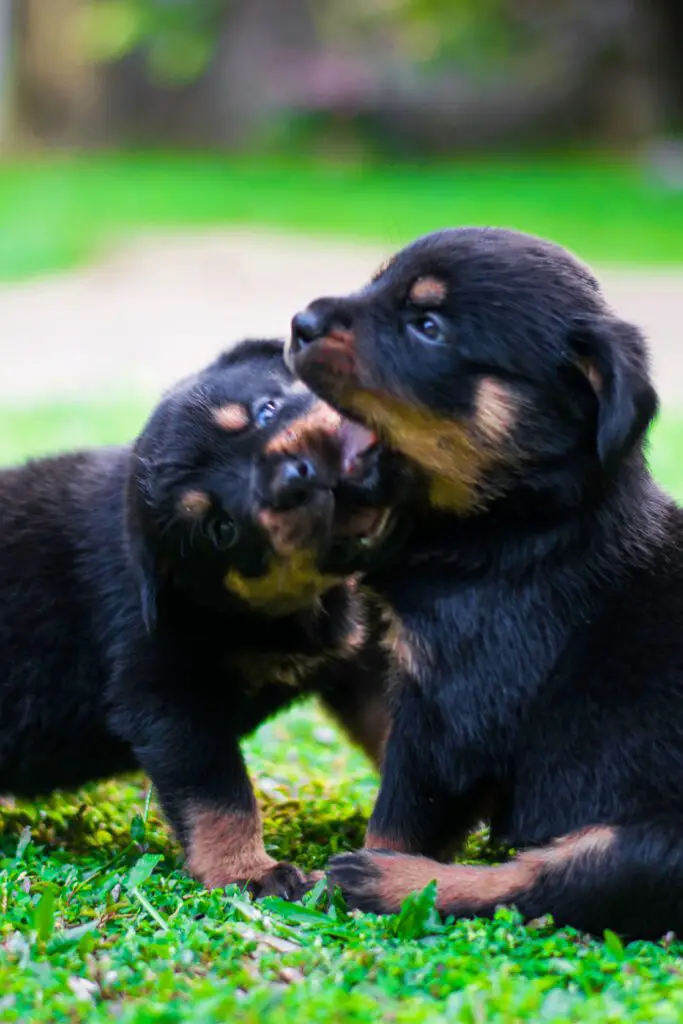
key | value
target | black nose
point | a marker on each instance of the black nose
(307, 327)
(293, 483)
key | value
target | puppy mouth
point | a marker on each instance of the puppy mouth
(365, 527)
(332, 523)
(303, 528)
(357, 442)
(356, 519)
(340, 506)
(337, 382)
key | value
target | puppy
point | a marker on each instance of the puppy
(540, 595)
(159, 601)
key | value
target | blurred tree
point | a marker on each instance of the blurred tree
(177, 37)
(509, 72)
(55, 88)
(422, 76)
(6, 47)
(669, 21)
(197, 71)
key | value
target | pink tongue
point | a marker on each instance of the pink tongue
(355, 441)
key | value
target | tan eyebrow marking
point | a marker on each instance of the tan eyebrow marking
(232, 416)
(194, 504)
(427, 290)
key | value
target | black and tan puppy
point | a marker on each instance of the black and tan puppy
(541, 592)
(159, 601)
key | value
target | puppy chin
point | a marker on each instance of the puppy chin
(306, 528)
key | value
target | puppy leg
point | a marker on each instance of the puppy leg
(422, 806)
(225, 845)
(222, 832)
(203, 785)
(360, 706)
(212, 808)
(626, 878)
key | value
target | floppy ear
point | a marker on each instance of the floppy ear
(144, 570)
(613, 356)
(143, 561)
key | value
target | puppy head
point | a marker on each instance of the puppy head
(245, 486)
(481, 353)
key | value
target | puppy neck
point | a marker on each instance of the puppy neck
(525, 528)
(223, 614)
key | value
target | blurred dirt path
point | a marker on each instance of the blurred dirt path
(157, 308)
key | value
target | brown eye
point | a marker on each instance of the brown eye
(223, 533)
(428, 327)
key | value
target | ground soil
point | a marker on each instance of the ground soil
(155, 308)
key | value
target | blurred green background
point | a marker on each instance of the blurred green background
(376, 119)
(58, 212)
(368, 121)
(362, 123)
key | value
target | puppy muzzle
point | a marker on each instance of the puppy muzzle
(322, 350)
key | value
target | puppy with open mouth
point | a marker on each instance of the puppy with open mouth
(159, 601)
(539, 596)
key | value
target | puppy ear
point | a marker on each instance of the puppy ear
(145, 572)
(613, 356)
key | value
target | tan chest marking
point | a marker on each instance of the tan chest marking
(407, 651)
(290, 584)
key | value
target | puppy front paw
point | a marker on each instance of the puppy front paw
(361, 876)
(283, 880)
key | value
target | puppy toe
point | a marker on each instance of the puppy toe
(359, 876)
(283, 880)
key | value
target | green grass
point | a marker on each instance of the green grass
(98, 921)
(56, 214)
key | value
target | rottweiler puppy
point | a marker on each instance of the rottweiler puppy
(159, 601)
(539, 596)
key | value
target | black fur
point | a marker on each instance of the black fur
(544, 609)
(91, 687)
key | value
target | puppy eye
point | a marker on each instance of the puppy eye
(223, 533)
(265, 411)
(428, 327)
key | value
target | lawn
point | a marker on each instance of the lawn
(99, 922)
(58, 213)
